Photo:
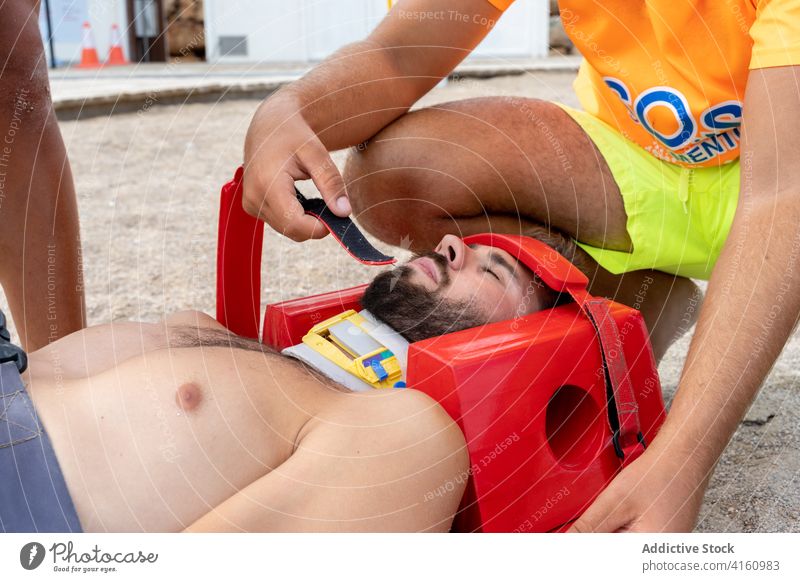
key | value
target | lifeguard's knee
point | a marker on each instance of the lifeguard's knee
(379, 188)
(396, 179)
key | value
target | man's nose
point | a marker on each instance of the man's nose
(454, 251)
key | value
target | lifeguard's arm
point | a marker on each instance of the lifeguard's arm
(753, 298)
(346, 100)
(751, 306)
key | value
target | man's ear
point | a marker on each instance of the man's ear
(549, 297)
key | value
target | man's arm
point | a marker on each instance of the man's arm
(346, 100)
(751, 306)
(345, 474)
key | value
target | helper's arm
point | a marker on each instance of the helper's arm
(751, 306)
(347, 99)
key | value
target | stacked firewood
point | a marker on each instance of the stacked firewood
(185, 36)
(559, 41)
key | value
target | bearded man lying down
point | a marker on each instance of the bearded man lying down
(182, 426)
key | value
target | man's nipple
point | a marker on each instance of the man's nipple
(188, 396)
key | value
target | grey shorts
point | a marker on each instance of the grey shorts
(33, 494)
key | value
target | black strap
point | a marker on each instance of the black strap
(344, 231)
(623, 409)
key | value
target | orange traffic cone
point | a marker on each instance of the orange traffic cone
(88, 50)
(116, 55)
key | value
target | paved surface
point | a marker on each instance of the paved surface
(148, 189)
(85, 92)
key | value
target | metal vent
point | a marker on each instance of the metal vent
(233, 46)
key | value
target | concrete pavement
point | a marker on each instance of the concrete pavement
(80, 93)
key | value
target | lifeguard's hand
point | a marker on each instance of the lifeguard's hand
(652, 494)
(280, 149)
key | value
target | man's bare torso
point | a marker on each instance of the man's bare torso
(151, 436)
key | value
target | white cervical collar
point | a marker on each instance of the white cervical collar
(379, 331)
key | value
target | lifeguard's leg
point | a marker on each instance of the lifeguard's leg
(505, 165)
(669, 304)
(39, 237)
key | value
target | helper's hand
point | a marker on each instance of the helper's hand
(655, 493)
(281, 148)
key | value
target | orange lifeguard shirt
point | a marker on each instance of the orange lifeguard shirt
(670, 75)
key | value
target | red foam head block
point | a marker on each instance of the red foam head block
(530, 397)
(239, 240)
(556, 271)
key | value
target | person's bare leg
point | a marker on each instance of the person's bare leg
(669, 304)
(504, 165)
(388, 461)
(479, 163)
(39, 236)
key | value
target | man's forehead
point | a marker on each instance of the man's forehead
(488, 250)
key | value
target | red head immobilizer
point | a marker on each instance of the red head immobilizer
(552, 404)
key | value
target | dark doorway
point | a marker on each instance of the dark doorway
(146, 31)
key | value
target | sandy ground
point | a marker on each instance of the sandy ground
(148, 189)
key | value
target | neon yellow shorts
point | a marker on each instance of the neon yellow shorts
(678, 218)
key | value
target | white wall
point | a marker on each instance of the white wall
(309, 30)
(67, 19)
(523, 31)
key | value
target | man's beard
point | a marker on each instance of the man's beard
(415, 312)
